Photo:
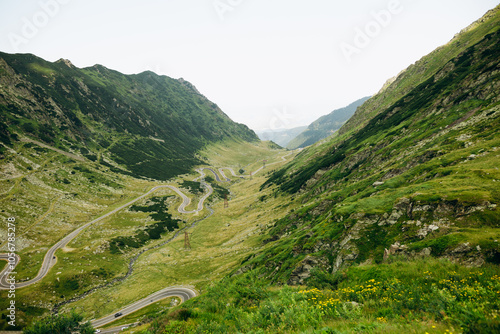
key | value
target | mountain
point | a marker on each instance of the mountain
(414, 166)
(325, 126)
(282, 136)
(143, 124)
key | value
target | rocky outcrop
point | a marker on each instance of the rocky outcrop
(303, 270)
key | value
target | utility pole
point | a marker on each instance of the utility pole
(187, 245)
(264, 163)
(250, 175)
(226, 202)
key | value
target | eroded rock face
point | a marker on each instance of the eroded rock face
(412, 220)
(303, 270)
(422, 233)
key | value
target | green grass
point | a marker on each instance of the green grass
(417, 296)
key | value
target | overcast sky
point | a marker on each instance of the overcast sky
(266, 63)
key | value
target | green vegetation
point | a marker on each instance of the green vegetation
(412, 175)
(63, 324)
(422, 70)
(164, 223)
(194, 187)
(219, 191)
(433, 296)
(390, 226)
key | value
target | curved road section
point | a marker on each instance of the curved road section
(217, 178)
(184, 293)
(221, 171)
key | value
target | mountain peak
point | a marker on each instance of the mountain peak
(189, 85)
(66, 62)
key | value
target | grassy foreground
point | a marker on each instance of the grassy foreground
(418, 296)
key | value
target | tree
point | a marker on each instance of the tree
(60, 324)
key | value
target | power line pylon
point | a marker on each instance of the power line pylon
(187, 245)
(226, 202)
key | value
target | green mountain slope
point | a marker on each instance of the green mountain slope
(325, 126)
(148, 125)
(422, 70)
(419, 171)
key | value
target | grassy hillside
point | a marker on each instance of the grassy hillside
(146, 125)
(325, 126)
(427, 160)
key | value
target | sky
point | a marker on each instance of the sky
(270, 64)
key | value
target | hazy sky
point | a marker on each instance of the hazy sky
(266, 63)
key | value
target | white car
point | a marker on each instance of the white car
(97, 331)
(123, 328)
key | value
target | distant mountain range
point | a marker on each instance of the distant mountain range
(144, 124)
(281, 136)
(324, 126)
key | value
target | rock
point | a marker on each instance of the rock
(393, 218)
(462, 248)
(303, 270)
(425, 252)
(386, 254)
(351, 257)
(378, 183)
(464, 137)
(402, 204)
(396, 248)
(368, 262)
(422, 233)
(352, 304)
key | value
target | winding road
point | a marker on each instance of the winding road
(184, 293)
(217, 178)
(50, 259)
(221, 171)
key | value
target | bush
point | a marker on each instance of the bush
(61, 324)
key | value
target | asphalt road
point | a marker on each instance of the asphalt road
(221, 171)
(217, 178)
(184, 293)
(4, 275)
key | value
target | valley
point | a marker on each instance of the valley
(136, 202)
(197, 266)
